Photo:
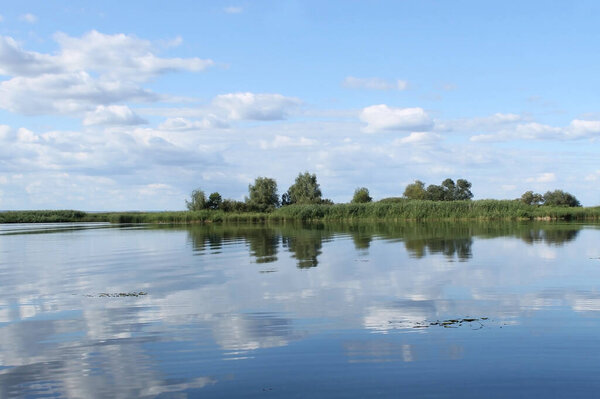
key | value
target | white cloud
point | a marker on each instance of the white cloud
(26, 136)
(583, 129)
(70, 93)
(182, 124)
(233, 9)
(419, 138)
(382, 117)
(112, 115)
(14, 61)
(29, 18)
(260, 107)
(5, 131)
(95, 69)
(286, 141)
(487, 123)
(120, 56)
(576, 130)
(547, 177)
(526, 131)
(352, 82)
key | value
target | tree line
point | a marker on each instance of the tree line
(447, 191)
(263, 195)
(552, 198)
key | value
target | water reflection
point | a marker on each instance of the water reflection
(239, 333)
(107, 359)
(304, 241)
(212, 325)
(556, 237)
(305, 246)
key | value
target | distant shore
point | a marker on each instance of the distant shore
(381, 211)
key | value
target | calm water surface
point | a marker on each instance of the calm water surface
(434, 310)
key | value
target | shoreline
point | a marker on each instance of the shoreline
(402, 210)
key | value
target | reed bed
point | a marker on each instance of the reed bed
(395, 209)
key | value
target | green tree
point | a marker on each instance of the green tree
(449, 190)
(197, 201)
(263, 195)
(415, 191)
(435, 193)
(531, 198)
(560, 198)
(305, 190)
(361, 196)
(214, 201)
(229, 205)
(463, 190)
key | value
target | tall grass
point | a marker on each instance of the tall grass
(392, 209)
(43, 216)
(401, 209)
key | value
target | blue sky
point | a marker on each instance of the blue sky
(132, 105)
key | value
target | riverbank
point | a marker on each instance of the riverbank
(398, 209)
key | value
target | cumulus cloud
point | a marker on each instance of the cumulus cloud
(15, 61)
(112, 115)
(26, 136)
(69, 94)
(182, 124)
(121, 56)
(352, 82)
(5, 130)
(419, 138)
(88, 71)
(383, 117)
(584, 129)
(258, 107)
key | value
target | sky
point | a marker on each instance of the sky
(131, 105)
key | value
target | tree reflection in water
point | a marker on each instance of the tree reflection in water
(304, 242)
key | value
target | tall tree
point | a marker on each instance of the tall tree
(197, 201)
(531, 198)
(463, 190)
(263, 194)
(560, 198)
(214, 201)
(449, 190)
(305, 190)
(361, 196)
(436, 193)
(415, 191)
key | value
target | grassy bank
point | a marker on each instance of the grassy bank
(400, 209)
(393, 209)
